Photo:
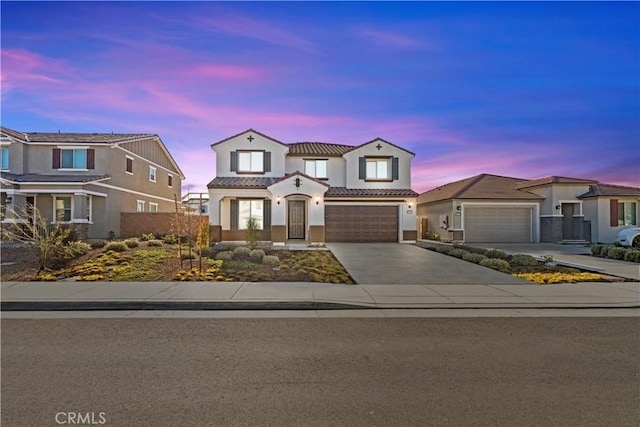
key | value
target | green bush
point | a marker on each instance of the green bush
(132, 243)
(170, 239)
(444, 250)
(458, 253)
(604, 251)
(224, 255)
(257, 255)
(496, 264)
(154, 242)
(270, 260)
(596, 250)
(187, 255)
(252, 233)
(616, 253)
(115, 246)
(241, 251)
(523, 260)
(475, 258)
(147, 237)
(632, 256)
(62, 254)
(97, 244)
(481, 251)
(496, 253)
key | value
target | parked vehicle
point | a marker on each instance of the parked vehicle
(627, 236)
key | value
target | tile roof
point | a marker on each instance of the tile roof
(369, 192)
(483, 186)
(245, 131)
(35, 178)
(386, 142)
(298, 173)
(75, 138)
(318, 149)
(241, 182)
(553, 180)
(607, 190)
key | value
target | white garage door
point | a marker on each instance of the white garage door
(498, 224)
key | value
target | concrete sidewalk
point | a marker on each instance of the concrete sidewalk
(303, 296)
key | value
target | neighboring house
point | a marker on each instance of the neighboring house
(87, 179)
(196, 202)
(491, 208)
(312, 191)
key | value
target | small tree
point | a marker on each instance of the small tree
(31, 227)
(251, 233)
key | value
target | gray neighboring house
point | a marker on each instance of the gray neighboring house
(87, 179)
(492, 208)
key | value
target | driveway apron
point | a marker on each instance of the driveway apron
(398, 263)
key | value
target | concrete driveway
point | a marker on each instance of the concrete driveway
(572, 255)
(398, 263)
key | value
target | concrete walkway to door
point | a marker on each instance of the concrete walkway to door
(400, 263)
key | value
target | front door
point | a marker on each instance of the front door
(568, 232)
(296, 219)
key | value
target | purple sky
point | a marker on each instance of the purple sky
(517, 89)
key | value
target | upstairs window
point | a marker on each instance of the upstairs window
(73, 158)
(140, 206)
(129, 165)
(153, 207)
(316, 168)
(5, 158)
(378, 168)
(152, 174)
(250, 161)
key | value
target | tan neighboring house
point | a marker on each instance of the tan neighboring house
(312, 191)
(87, 179)
(492, 208)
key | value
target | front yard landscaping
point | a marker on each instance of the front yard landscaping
(520, 265)
(157, 260)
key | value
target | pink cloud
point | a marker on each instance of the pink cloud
(24, 69)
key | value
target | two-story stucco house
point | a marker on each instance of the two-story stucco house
(87, 179)
(312, 191)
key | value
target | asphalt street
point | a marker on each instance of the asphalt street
(299, 372)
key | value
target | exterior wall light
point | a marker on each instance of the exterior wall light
(410, 204)
(558, 207)
(317, 200)
(278, 200)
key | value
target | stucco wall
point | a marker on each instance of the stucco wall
(223, 154)
(335, 168)
(352, 166)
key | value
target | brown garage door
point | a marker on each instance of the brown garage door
(361, 223)
(497, 224)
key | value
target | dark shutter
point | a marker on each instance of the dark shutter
(613, 212)
(362, 169)
(394, 168)
(267, 161)
(234, 161)
(170, 180)
(234, 214)
(91, 158)
(56, 158)
(129, 165)
(267, 215)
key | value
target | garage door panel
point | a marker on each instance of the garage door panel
(361, 223)
(498, 224)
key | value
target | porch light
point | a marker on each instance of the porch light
(558, 207)
(278, 199)
(410, 204)
(317, 200)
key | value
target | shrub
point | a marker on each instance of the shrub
(475, 258)
(97, 244)
(596, 250)
(224, 255)
(115, 246)
(187, 255)
(444, 250)
(481, 251)
(270, 260)
(616, 253)
(458, 253)
(154, 242)
(550, 278)
(147, 237)
(60, 255)
(256, 254)
(496, 264)
(605, 251)
(523, 260)
(632, 256)
(132, 243)
(252, 233)
(170, 239)
(241, 251)
(495, 253)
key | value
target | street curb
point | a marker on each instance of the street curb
(279, 306)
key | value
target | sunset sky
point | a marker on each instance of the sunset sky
(510, 88)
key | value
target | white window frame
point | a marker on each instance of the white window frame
(140, 203)
(373, 174)
(242, 222)
(256, 158)
(125, 164)
(89, 202)
(153, 207)
(73, 155)
(4, 166)
(55, 209)
(153, 174)
(311, 168)
(170, 178)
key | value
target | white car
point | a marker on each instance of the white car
(627, 236)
